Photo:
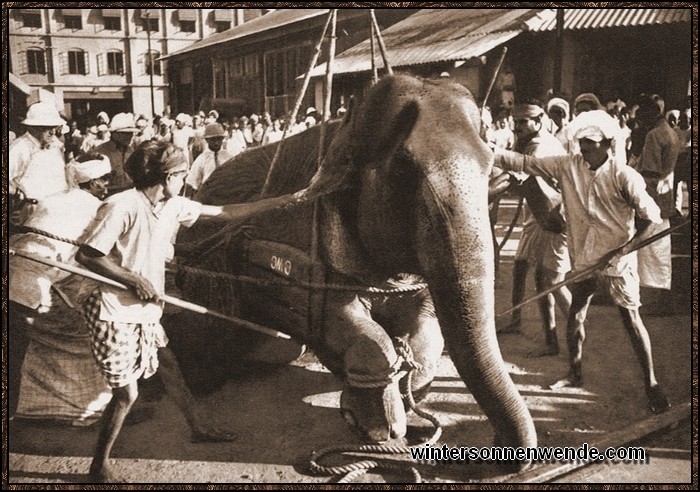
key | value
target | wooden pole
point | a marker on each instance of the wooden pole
(297, 104)
(380, 41)
(163, 297)
(584, 274)
(375, 75)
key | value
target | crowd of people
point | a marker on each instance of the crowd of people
(596, 182)
(595, 186)
(110, 201)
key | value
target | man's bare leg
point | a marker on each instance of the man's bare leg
(112, 420)
(581, 293)
(642, 348)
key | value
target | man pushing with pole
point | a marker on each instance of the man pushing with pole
(601, 198)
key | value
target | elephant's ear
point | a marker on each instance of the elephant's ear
(385, 144)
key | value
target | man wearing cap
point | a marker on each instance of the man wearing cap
(558, 112)
(129, 241)
(183, 134)
(543, 241)
(210, 159)
(118, 149)
(36, 168)
(58, 379)
(582, 104)
(601, 197)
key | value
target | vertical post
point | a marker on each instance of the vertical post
(150, 62)
(559, 51)
(375, 75)
(380, 42)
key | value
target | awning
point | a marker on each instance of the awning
(436, 35)
(187, 14)
(603, 17)
(222, 15)
(111, 12)
(150, 13)
(72, 12)
(20, 84)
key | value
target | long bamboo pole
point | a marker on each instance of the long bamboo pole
(163, 297)
(587, 272)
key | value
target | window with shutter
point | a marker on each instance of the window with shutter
(36, 62)
(63, 64)
(86, 63)
(115, 63)
(22, 63)
(101, 65)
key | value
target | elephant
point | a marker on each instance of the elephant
(400, 196)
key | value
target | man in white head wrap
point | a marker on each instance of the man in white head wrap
(58, 377)
(601, 197)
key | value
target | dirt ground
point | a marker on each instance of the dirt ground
(283, 413)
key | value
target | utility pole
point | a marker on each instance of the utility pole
(150, 62)
(559, 51)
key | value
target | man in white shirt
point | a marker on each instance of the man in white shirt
(210, 159)
(601, 197)
(36, 168)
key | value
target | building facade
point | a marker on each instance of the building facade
(259, 66)
(96, 59)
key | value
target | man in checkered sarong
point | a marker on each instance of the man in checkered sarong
(129, 241)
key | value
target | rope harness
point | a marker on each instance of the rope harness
(405, 366)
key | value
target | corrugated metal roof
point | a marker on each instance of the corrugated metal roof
(604, 17)
(433, 35)
(277, 18)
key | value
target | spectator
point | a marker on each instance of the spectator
(601, 197)
(118, 149)
(236, 142)
(183, 134)
(682, 174)
(36, 168)
(311, 117)
(543, 241)
(558, 112)
(210, 159)
(657, 163)
(129, 242)
(58, 378)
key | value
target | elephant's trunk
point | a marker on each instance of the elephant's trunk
(459, 268)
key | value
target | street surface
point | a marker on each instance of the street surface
(283, 413)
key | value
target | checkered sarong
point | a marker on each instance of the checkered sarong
(123, 351)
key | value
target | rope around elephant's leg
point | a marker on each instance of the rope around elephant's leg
(355, 470)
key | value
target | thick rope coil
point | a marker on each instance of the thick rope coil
(352, 471)
(368, 381)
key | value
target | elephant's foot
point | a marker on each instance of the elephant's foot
(657, 400)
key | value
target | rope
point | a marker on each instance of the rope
(22, 228)
(266, 283)
(357, 469)
(512, 224)
(303, 284)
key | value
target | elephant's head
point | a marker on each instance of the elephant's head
(410, 175)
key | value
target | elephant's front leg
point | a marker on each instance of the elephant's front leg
(412, 318)
(358, 350)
